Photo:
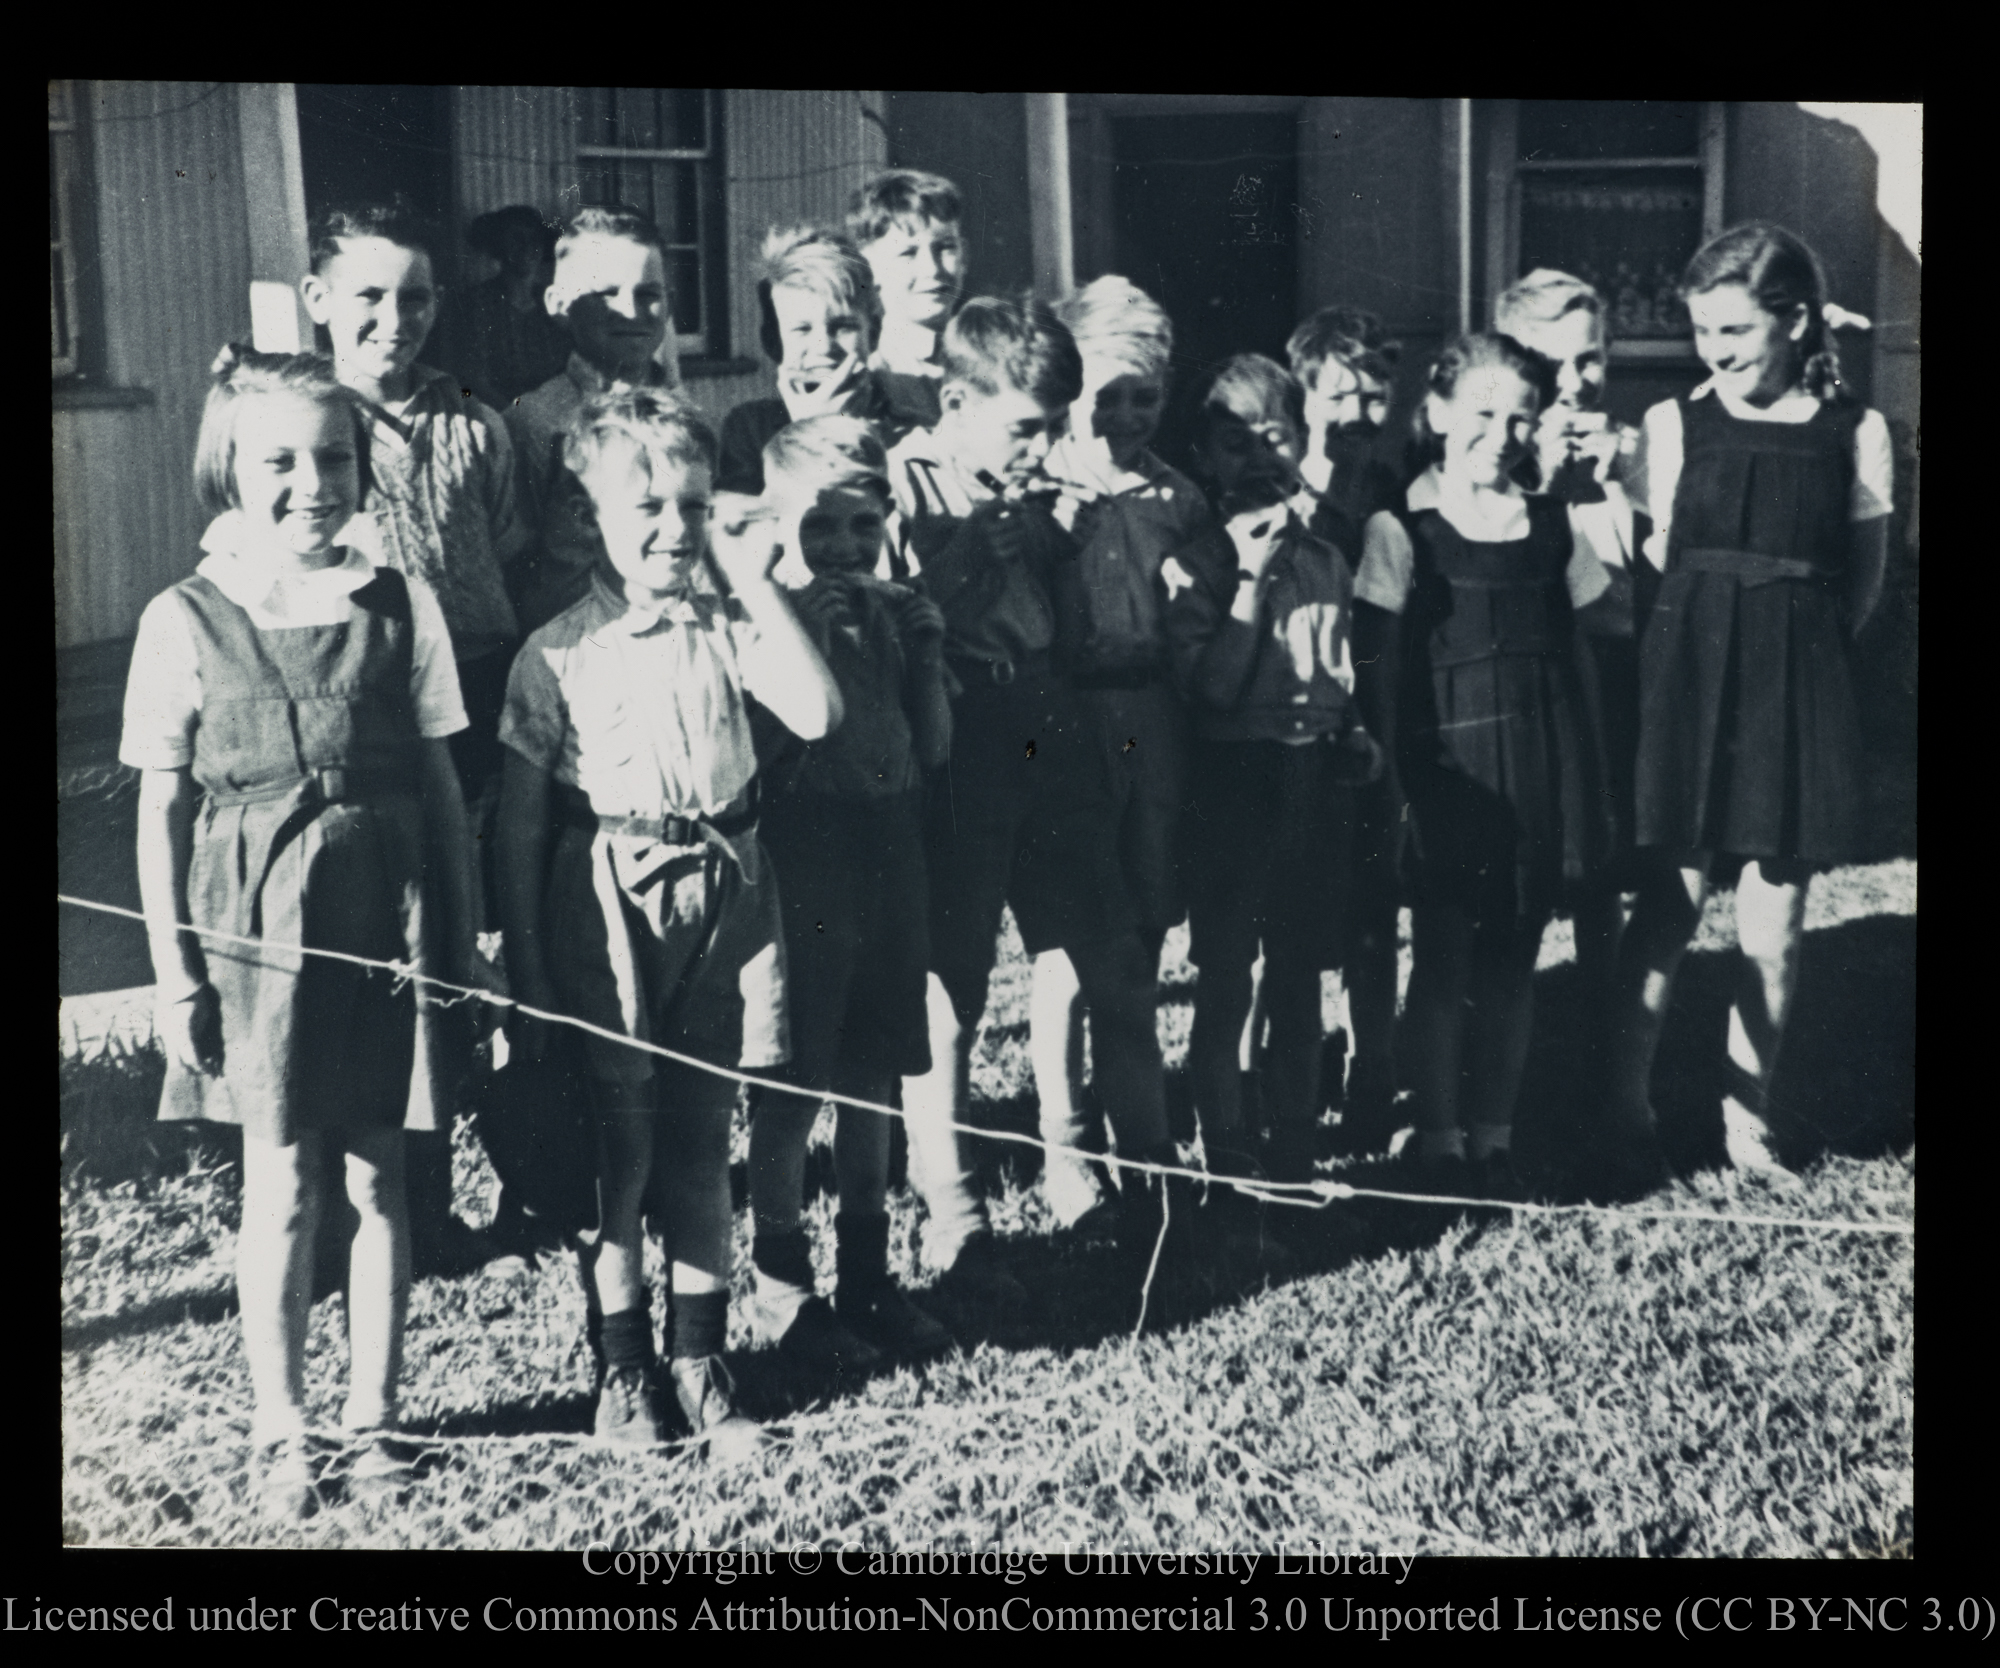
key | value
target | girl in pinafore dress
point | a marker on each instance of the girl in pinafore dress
(288, 705)
(1495, 752)
(1772, 491)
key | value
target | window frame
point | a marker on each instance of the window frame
(1503, 204)
(711, 253)
(74, 236)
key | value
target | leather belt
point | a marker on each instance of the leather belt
(574, 809)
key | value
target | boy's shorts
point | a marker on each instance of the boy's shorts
(1036, 831)
(1269, 837)
(1143, 734)
(857, 943)
(667, 944)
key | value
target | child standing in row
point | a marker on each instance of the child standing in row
(1145, 510)
(1260, 634)
(290, 707)
(907, 225)
(1022, 815)
(1467, 647)
(1344, 362)
(1772, 489)
(821, 315)
(610, 289)
(843, 826)
(655, 915)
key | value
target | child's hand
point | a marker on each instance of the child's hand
(1360, 759)
(820, 393)
(744, 540)
(190, 1030)
(1008, 534)
(829, 601)
(919, 622)
(1256, 534)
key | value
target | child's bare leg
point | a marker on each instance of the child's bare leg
(1434, 1023)
(1770, 927)
(378, 1281)
(1649, 955)
(274, 1262)
(1499, 1023)
(625, 1160)
(1250, 1048)
(1055, 1048)
(932, 1103)
(1120, 988)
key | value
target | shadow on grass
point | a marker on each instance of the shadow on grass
(198, 1308)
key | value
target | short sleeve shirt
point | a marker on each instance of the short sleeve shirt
(163, 690)
(445, 506)
(1873, 494)
(1389, 565)
(643, 712)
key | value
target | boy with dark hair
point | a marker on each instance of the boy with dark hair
(1022, 814)
(1259, 631)
(907, 224)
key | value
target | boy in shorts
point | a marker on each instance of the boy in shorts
(907, 225)
(654, 913)
(1022, 815)
(843, 824)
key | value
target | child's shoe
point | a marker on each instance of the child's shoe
(1095, 1230)
(379, 1471)
(1746, 1128)
(1495, 1179)
(979, 1279)
(287, 1480)
(818, 1341)
(626, 1414)
(707, 1397)
(1368, 1120)
(882, 1315)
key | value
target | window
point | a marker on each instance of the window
(1619, 192)
(657, 149)
(67, 334)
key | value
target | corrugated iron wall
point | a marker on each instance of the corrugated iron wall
(175, 281)
(514, 145)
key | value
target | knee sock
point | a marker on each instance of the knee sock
(861, 1252)
(1486, 1139)
(784, 1277)
(1435, 1144)
(701, 1324)
(628, 1338)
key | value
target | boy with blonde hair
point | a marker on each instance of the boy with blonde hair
(654, 914)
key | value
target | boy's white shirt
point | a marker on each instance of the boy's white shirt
(1389, 563)
(1666, 452)
(163, 690)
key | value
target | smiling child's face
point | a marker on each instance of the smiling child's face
(1345, 401)
(840, 531)
(614, 292)
(1575, 344)
(378, 301)
(919, 264)
(1753, 353)
(1120, 407)
(819, 340)
(1487, 424)
(298, 474)
(652, 511)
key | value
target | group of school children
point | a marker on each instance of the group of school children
(766, 728)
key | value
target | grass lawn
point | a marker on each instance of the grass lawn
(1424, 1383)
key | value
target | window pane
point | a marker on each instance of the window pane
(1586, 129)
(1627, 231)
(680, 188)
(690, 118)
(684, 279)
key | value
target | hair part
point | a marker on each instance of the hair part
(1112, 318)
(822, 262)
(1544, 296)
(1248, 388)
(818, 454)
(1352, 335)
(394, 218)
(241, 373)
(900, 194)
(1781, 273)
(660, 423)
(1016, 342)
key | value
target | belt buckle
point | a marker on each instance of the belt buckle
(1002, 671)
(332, 784)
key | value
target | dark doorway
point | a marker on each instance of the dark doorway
(1206, 221)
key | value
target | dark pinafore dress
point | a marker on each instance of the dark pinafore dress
(1749, 731)
(310, 832)
(1496, 741)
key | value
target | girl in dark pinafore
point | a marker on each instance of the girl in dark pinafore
(1771, 489)
(1495, 752)
(288, 705)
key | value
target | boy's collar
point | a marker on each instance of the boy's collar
(253, 580)
(688, 606)
(912, 349)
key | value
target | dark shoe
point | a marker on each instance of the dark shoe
(884, 1317)
(1628, 1168)
(1368, 1115)
(626, 1414)
(1292, 1153)
(707, 1397)
(819, 1341)
(1494, 1178)
(979, 1279)
(1095, 1229)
